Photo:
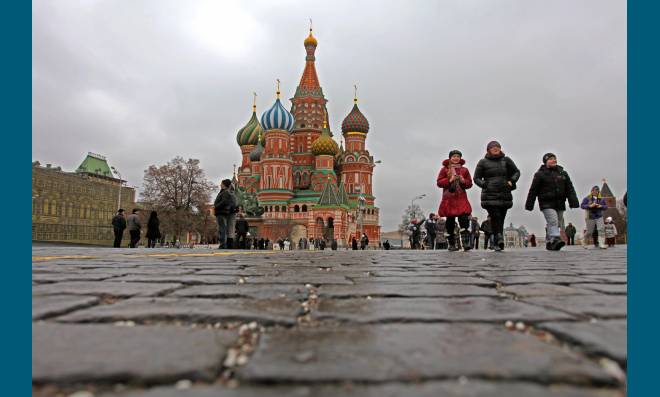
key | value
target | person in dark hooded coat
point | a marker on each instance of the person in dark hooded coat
(552, 186)
(496, 174)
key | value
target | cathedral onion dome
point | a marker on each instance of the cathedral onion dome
(355, 121)
(310, 40)
(249, 134)
(324, 144)
(277, 118)
(255, 154)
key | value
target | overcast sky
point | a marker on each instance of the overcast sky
(143, 81)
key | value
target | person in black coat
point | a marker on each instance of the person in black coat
(488, 231)
(118, 227)
(553, 187)
(242, 229)
(496, 175)
(153, 230)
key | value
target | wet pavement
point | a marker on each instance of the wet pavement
(200, 322)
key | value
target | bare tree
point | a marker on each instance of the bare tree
(413, 211)
(178, 190)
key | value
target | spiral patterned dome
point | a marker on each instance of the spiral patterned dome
(277, 118)
(255, 154)
(355, 121)
(324, 145)
(249, 134)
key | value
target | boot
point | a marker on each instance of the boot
(466, 239)
(451, 241)
(230, 243)
(601, 243)
(499, 242)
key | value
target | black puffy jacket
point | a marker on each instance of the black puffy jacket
(553, 187)
(492, 176)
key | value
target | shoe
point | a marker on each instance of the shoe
(601, 243)
(548, 245)
(500, 241)
(466, 239)
(555, 244)
(497, 249)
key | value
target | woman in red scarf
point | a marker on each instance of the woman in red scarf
(455, 179)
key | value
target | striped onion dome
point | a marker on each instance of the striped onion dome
(255, 154)
(324, 144)
(249, 134)
(277, 118)
(355, 121)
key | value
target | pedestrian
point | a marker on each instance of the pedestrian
(225, 205)
(594, 205)
(496, 174)
(364, 241)
(532, 240)
(570, 233)
(488, 231)
(118, 226)
(431, 230)
(552, 186)
(301, 244)
(386, 245)
(610, 232)
(455, 179)
(333, 245)
(476, 232)
(440, 234)
(415, 228)
(153, 229)
(134, 225)
(354, 244)
(242, 229)
(322, 244)
(286, 244)
(255, 243)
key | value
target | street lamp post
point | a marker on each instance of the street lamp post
(412, 203)
(120, 183)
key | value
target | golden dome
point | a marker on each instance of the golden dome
(311, 40)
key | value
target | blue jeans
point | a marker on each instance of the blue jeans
(225, 226)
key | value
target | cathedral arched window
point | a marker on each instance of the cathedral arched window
(296, 208)
(304, 208)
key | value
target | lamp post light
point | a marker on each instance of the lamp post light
(120, 183)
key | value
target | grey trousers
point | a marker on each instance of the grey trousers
(554, 220)
(595, 224)
(226, 225)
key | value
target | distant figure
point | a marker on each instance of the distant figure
(322, 244)
(496, 175)
(364, 241)
(476, 232)
(416, 233)
(354, 244)
(431, 230)
(333, 245)
(440, 235)
(610, 232)
(570, 233)
(224, 205)
(488, 232)
(386, 245)
(242, 229)
(532, 240)
(153, 230)
(455, 180)
(118, 227)
(286, 244)
(594, 205)
(134, 226)
(553, 187)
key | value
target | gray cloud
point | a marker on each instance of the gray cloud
(144, 81)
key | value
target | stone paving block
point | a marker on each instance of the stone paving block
(605, 337)
(301, 278)
(425, 280)
(544, 290)
(481, 309)
(58, 277)
(110, 288)
(85, 353)
(403, 290)
(609, 278)
(191, 279)
(510, 280)
(601, 305)
(265, 311)
(294, 292)
(413, 351)
(473, 388)
(619, 289)
(53, 305)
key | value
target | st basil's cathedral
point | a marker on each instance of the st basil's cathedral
(306, 185)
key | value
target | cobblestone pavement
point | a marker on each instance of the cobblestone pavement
(200, 322)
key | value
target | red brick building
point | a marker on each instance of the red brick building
(308, 185)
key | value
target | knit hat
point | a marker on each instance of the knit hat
(492, 144)
(453, 152)
(548, 156)
(226, 182)
(596, 188)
